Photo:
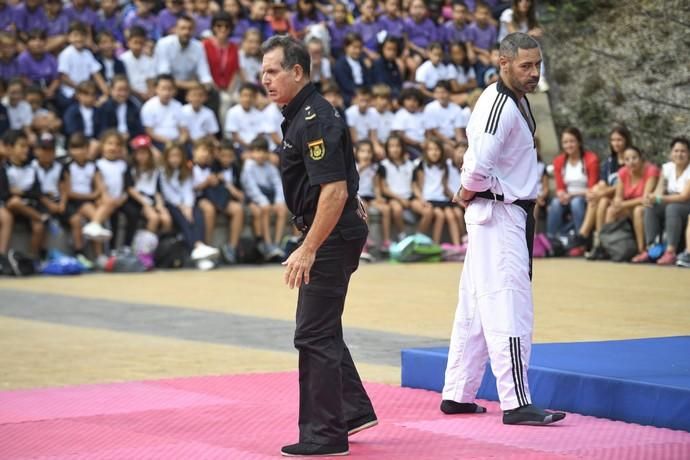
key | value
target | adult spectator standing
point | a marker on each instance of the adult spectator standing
(223, 59)
(495, 313)
(320, 185)
(183, 57)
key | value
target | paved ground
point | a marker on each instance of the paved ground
(105, 328)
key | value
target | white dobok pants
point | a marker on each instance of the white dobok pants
(494, 316)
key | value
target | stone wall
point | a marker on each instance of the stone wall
(619, 61)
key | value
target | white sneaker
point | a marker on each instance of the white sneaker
(95, 231)
(203, 251)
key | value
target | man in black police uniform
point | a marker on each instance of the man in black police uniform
(320, 184)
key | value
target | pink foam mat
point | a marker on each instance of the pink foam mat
(250, 416)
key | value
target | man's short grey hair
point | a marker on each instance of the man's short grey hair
(294, 52)
(517, 40)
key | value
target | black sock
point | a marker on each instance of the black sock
(452, 407)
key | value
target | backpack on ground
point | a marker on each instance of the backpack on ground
(248, 251)
(542, 246)
(416, 248)
(18, 264)
(172, 252)
(59, 263)
(618, 240)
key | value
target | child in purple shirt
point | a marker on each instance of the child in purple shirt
(420, 31)
(338, 28)
(456, 31)
(390, 20)
(29, 15)
(306, 15)
(482, 34)
(202, 18)
(58, 26)
(39, 66)
(8, 61)
(368, 28)
(143, 17)
(109, 19)
(167, 18)
(80, 11)
(6, 17)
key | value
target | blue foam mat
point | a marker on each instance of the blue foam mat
(645, 381)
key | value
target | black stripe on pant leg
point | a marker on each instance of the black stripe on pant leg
(514, 367)
(521, 375)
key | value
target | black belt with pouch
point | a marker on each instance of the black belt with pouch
(303, 222)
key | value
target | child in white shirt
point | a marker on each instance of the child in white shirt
(162, 115)
(201, 121)
(360, 117)
(243, 123)
(76, 64)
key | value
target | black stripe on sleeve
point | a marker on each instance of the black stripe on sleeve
(491, 113)
(497, 116)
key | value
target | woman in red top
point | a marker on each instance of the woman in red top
(223, 59)
(576, 170)
(635, 181)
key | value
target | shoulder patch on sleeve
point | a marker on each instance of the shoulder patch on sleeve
(317, 149)
(495, 113)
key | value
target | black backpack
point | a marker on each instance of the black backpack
(248, 252)
(16, 263)
(171, 252)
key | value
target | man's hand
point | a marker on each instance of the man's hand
(298, 266)
(463, 197)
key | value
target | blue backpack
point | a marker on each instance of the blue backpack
(59, 263)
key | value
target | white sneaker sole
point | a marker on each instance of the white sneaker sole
(363, 427)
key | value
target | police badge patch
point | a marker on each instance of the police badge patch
(317, 149)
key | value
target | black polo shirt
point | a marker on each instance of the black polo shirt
(316, 149)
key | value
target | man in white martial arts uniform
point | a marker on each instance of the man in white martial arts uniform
(494, 316)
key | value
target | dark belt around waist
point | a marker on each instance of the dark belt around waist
(303, 222)
(528, 206)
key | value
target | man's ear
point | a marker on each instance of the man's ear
(298, 72)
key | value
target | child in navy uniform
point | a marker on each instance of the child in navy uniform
(431, 189)
(454, 175)
(178, 192)
(397, 174)
(6, 218)
(205, 182)
(261, 182)
(113, 169)
(228, 170)
(145, 199)
(51, 177)
(24, 188)
(84, 187)
(370, 191)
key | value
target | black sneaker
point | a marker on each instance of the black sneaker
(303, 449)
(597, 253)
(452, 407)
(683, 259)
(361, 424)
(228, 254)
(531, 415)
